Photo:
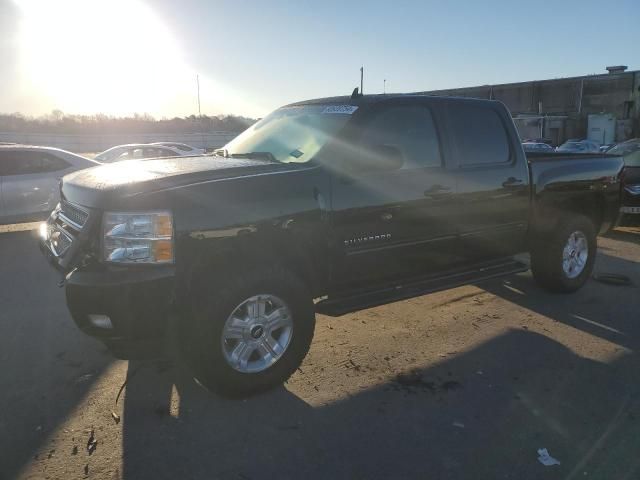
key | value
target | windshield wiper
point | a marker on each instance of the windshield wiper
(255, 156)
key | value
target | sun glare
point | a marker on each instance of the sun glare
(113, 56)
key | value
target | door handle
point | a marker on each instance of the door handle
(512, 182)
(436, 191)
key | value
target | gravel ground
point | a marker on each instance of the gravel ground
(465, 383)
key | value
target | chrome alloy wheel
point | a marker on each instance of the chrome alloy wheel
(575, 254)
(257, 333)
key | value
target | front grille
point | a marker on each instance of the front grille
(73, 214)
(63, 227)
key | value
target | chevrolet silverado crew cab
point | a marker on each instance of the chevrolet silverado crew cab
(330, 206)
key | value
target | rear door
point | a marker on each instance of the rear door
(492, 179)
(395, 224)
(30, 180)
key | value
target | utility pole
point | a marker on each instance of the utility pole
(362, 80)
(204, 143)
(384, 86)
(198, 83)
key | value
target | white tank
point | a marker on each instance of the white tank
(601, 128)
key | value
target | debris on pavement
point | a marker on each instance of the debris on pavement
(92, 443)
(414, 380)
(458, 424)
(546, 459)
(116, 417)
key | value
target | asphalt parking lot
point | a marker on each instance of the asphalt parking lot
(466, 383)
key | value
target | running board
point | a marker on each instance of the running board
(335, 307)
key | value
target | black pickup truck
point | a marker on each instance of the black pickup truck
(328, 205)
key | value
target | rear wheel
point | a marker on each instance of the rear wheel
(562, 261)
(252, 333)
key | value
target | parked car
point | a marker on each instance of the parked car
(136, 152)
(579, 146)
(536, 147)
(353, 201)
(30, 180)
(547, 141)
(183, 147)
(630, 208)
(607, 146)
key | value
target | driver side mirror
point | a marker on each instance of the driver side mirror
(378, 158)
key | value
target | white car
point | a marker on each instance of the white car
(138, 151)
(183, 147)
(30, 180)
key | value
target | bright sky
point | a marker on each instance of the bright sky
(123, 56)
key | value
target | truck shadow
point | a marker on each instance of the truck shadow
(483, 413)
(480, 414)
(606, 311)
(48, 366)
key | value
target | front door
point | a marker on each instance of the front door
(395, 224)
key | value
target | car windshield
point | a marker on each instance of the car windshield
(291, 134)
(572, 146)
(110, 153)
(630, 151)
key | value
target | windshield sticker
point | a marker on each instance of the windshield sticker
(344, 109)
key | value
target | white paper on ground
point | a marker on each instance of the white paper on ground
(546, 459)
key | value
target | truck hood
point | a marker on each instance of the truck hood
(94, 186)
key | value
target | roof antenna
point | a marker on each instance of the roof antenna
(355, 93)
(362, 80)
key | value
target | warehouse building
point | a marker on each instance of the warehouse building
(604, 108)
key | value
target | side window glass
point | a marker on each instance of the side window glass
(165, 153)
(10, 163)
(411, 130)
(26, 163)
(51, 163)
(479, 136)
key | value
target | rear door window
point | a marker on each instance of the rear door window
(159, 152)
(478, 135)
(409, 128)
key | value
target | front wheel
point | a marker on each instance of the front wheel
(562, 261)
(251, 333)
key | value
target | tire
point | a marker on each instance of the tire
(557, 270)
(216, 363)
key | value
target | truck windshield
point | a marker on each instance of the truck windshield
(290, 134)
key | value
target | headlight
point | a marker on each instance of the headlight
(137, 237)
(633, 189)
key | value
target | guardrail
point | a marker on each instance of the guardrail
(98, 143)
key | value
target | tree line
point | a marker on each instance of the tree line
(63, 123)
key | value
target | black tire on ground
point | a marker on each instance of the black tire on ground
(547, 255)
(213, 303)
